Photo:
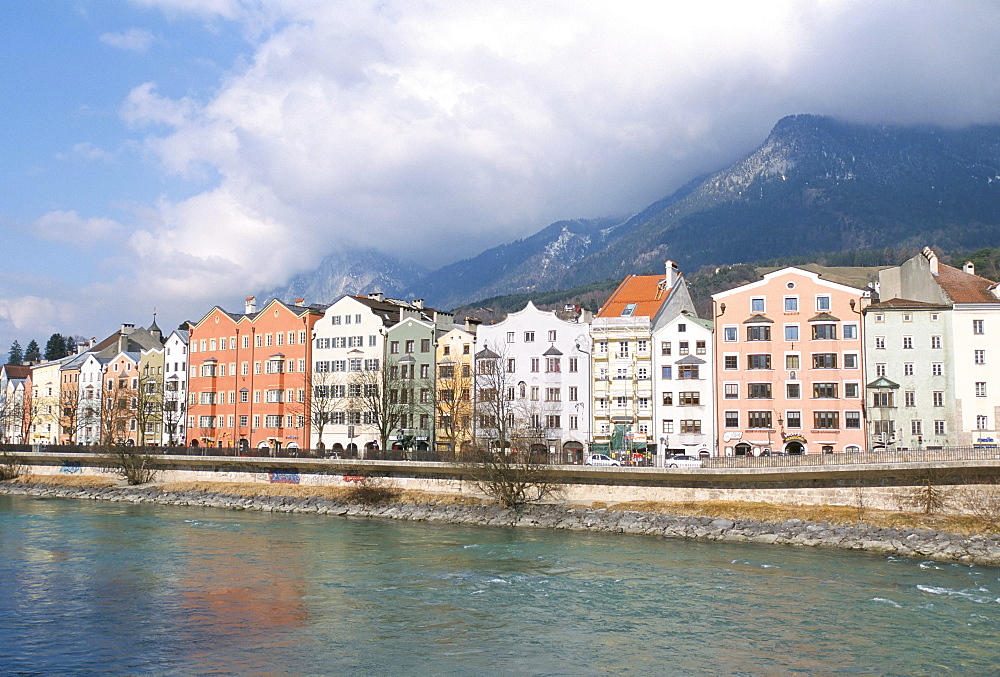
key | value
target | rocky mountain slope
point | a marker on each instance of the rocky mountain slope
(815, 185)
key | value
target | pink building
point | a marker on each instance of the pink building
(788, 366)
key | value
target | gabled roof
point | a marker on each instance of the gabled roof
(647, 292)
(552, 351)
(963, 287)
(690, 359)
(758, 319)
(824, 317)
(16, 370)
(882, 382)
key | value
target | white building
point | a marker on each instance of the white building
(684, 409)
(88, 417)
(546, 363)
(175, 388)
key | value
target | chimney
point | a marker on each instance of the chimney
(969, 267)
(377, 296)
(127, 329)
(418, 304)
(672, 274)
(301, 303)
(932, 259)
(471, 324)
(251, 305)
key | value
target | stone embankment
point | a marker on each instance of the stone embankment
(912, 543)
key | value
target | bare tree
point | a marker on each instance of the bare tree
(11, 415)
(131, 463)
(380, 398)
(118, 412)
(148, 412)
(454, 406)
(325, 393)
(502, 464)
(929, 494)
(173, 410)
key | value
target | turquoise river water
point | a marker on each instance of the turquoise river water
(120, 589)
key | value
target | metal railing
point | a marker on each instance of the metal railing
(969, 453)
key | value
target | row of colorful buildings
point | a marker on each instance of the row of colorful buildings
(803, 360)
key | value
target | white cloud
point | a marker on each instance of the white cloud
(132, 40)
(68, 226)
(433, 129)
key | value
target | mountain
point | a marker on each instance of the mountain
(359, 272)
(815, 185)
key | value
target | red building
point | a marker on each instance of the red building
(248, 376)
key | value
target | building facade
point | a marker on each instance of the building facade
(788, 365)
(622, 352)
(545, 377)
(684, 388)
(247, 377)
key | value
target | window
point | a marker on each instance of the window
(757, 391)
(916, 427)
(425, 345)
(907, 343)
(791, 332)
(978, 327)
(552, 335)
(791, 304)
(553, 395)
(980, 388)
(826, 420)
(731, 391)
(791, 362)
(682, 348)
(409, 347)
(682, 327)
(759, 332)
(852, 390)
(852, 420)
(882, 399)
(939, 428)
(822, 303)
(665, 348)
(935, 342)
(699, 347)
(759, 419)
(691, 426)
(909, 399)
(850, 360)
(937, 369)
(728, 335)
(982, 422)
(529, 337)
(552, 365)
(394, 347)
(668, 399)
(850, 331)
(535, 362)
(879, 343)
(732, 419)
(793, 419)
(824, 360)
(668, 426)
(628, 309)
(689, 398)
(552, 421)
(793, 391)
(907, 369)
(573, 393)
(980, 357)
(938, 397)
(573, 365)
(687, 371)
(758, 361)
(730, 362)
(824, 332)
(757, 305)
(825, 390)
(665, 372)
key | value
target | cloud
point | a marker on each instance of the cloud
(431, 130)
(68, 226)
(132, 40)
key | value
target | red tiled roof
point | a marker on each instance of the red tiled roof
(962, 287)
(642, 290)
(17, 371)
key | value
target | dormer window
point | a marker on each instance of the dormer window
(629, 309)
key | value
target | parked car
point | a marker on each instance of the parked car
(600, 459)
(681, 461)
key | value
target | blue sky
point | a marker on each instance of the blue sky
(177, 154)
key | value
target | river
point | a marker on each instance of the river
(116, 589)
